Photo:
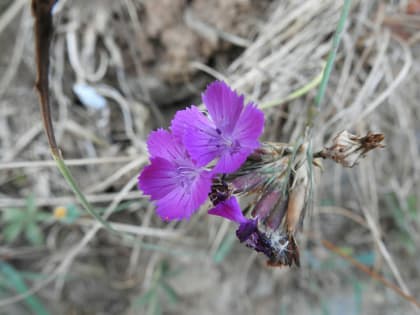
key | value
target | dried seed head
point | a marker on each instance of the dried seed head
(276, 178)
(348, 149)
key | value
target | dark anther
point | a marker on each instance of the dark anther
(220, 191)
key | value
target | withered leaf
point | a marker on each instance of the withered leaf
(43, 29)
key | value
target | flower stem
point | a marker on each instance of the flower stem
(43, 26)
(333, 52)
(73, 185)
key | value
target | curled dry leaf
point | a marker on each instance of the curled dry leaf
(348, 149)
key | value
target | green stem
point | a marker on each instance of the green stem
(333, 52)
(73, 185)
(298, 93)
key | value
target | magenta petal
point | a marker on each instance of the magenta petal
(161, 143)
(249, 127)
(158, 179)
(246, 229)
(183, 201)
(223, 104)
(174, 206)
(203, 144)
(198, 134)
(230, 210)
(245, 137)
(231, 162)
(187, 118)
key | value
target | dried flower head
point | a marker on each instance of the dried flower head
(276, 177)
(348, 149)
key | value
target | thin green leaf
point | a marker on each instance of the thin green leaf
(34, 234)
(72, 183)
(164, 268)
(224, 248)
(12, 231)
(412, 206)
(333, 52)
(324, 308)
(170, 292)
(15, 280)
(31, 205)
(358, 295)
(154, 306)
(297, 93)
(146, 298)
(13, 214)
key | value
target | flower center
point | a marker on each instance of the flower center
(186, 175)
(233, 146)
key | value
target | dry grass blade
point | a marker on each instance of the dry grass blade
(74, 162)
(9, 14)
(59, 201)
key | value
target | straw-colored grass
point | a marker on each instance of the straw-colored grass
(370, 209)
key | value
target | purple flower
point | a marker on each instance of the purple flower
(231, 210)
(178, 178)
(177, 184)
(229, 133)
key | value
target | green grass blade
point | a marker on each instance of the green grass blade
(155, 307)
(16, 282)
(296, 94)
(170, 292)
(333, 52)
(224, 248)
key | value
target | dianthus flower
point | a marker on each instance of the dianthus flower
(173, 179)
(229, 133)
(179, 177)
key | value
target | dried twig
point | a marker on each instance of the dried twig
(41, 10)
(370, 272)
